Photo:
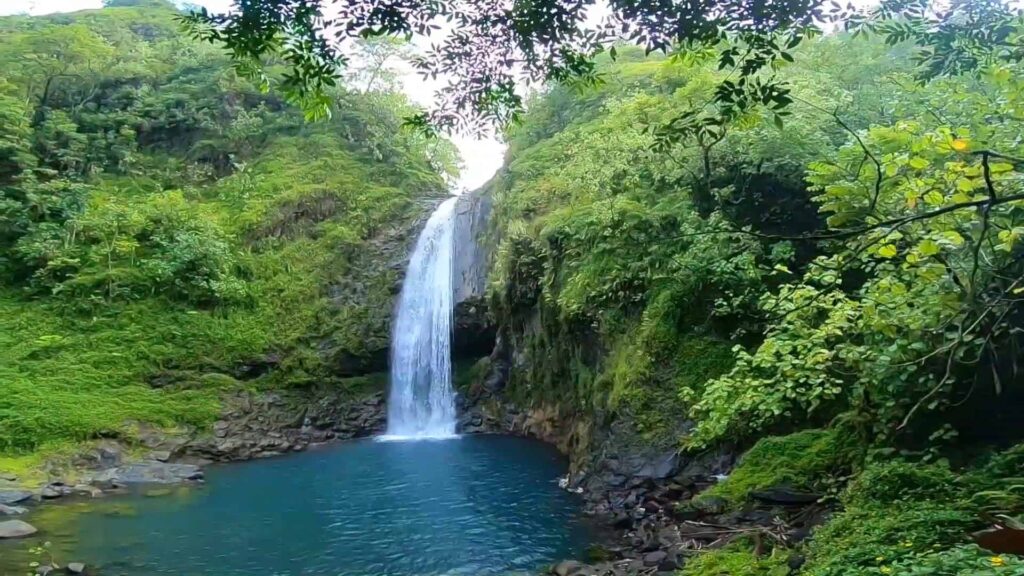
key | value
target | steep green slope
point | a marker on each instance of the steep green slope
(839, 294)
(606, 239)
(165, 224)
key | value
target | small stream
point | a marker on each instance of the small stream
(472, 505)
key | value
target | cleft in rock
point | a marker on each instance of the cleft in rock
(785, 496)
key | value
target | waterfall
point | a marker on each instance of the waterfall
(422, 403)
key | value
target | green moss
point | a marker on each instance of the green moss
(966, 560)
(735, 560)
(897, 481)
(646, 371)
(803, 460)
(893, 511)
(872, 536)
(362, 385)
(468, 373)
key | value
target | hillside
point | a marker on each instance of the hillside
(792, 303)
(168, 230)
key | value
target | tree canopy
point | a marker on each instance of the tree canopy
(482, 48)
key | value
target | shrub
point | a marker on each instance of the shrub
(894, 512)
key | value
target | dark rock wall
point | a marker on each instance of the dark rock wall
(356, 333)
(474, 331)
(472, 248)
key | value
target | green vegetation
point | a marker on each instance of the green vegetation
(830, 278)
(804, 461)
(839, 293)
(164, 222)
(735, 560)
(604, 238)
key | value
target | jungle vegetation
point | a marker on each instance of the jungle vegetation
(838, 293)
(160, 214)
(803, 246)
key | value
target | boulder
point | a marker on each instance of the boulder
(567, 568)
(8, 476)
(708, 505)
(44, 569)
(9, 497)
(87, 490)
(51, 492)
(655, 558)
(106, 454)
(11, 510)
(160, 455)
(76, 568)
(150, 472)
(16, 529)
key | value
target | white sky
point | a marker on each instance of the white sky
(481, 157)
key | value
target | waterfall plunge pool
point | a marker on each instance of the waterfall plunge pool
(468, 506)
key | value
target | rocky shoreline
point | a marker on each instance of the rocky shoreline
(647, 499)
(252, 425)
(644, 498)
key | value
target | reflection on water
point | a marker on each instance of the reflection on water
(475, 505)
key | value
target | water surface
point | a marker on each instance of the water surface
(473, 505)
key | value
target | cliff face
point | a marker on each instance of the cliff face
(472, 247)
(474, 331)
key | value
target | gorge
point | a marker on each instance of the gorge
(693, 326)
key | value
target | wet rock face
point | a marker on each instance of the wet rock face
(474, 333)
(472, 252)
(356, 339)
(270, 424)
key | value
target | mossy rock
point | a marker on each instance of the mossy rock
(801, 461)
(897, 512)
(468, 374)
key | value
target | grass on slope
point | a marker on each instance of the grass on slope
(71, 378)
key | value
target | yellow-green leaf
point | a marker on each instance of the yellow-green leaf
(953, 237)
(933, 198)
(919, 163)
(887, 251)
(928, 247)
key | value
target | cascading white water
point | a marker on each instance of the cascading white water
(422, 403)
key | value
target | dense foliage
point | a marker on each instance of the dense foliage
(851, 279)
(161, 215)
